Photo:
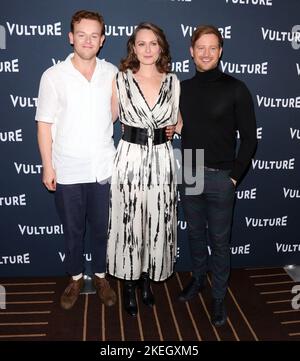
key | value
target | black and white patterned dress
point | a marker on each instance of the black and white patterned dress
(142, 234)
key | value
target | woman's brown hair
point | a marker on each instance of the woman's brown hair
(163, 63)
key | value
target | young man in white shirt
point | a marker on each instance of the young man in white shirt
(75, 131)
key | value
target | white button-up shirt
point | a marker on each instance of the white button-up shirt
(80, 113)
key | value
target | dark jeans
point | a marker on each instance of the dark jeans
(76, 204)
(211, 212)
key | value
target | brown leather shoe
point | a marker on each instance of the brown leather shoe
(106, 294)
(71, 293)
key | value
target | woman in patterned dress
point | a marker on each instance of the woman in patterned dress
(142, 237)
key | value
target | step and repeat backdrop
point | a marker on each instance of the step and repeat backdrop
(261, 47)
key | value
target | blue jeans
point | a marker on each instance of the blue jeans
(76, 204)
(211, 212)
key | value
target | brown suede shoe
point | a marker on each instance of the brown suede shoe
(106, 294)
(71, 293)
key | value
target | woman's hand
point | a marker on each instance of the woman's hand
(170, 130)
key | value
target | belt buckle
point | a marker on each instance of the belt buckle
(150, 133)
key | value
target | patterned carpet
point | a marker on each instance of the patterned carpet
(258, 302)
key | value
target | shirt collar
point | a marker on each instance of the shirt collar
(209, 75)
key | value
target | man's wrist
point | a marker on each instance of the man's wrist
(233, 181)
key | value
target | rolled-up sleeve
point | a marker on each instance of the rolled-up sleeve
(47, 104)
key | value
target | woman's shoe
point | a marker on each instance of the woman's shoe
(144, 285)
(129, 298)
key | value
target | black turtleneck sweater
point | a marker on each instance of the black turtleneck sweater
(213, 106)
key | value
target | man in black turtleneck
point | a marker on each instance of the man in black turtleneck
(214, 106)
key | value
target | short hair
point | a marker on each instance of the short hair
(163, 64)
(206, 29)
(85, 14)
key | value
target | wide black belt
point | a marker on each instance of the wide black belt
(141, 135)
